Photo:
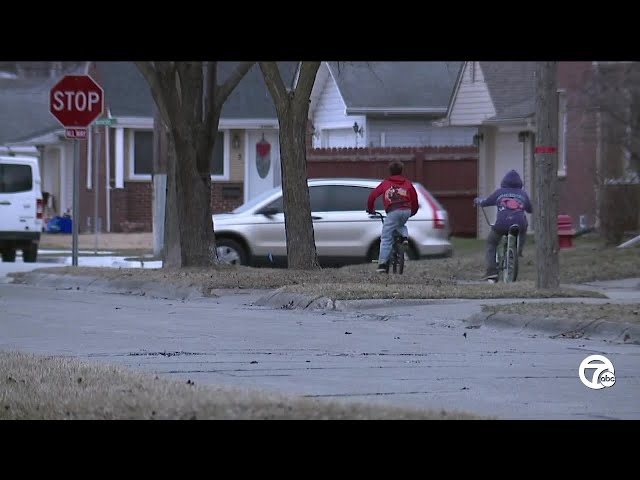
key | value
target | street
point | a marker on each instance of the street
(412, 355)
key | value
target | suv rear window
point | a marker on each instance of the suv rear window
(15, 178)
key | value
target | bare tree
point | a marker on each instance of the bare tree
(292, 106)
(545, 211)
(613, 95)
(189, 101)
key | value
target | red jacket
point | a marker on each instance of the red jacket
(398, 192)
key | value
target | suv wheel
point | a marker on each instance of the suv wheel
(231, 252)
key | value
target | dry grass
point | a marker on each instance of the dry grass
(452, 277)
(589, 260)
(55, 388)
(131, 242)
(349, 283)
(624, 313)
(354, 291)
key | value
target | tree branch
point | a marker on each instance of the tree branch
(210, 83)
(156, 75)
(306, 79)
(274, 82)
(223, 91)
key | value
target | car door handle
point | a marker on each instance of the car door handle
(313, 217)
(5, 202)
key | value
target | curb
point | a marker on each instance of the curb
(561, 327)
(101, 285)
(289, 301)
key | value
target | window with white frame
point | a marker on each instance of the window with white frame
(562, 133)
(140, 154)
(219, 162)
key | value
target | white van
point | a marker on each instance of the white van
(21, 207)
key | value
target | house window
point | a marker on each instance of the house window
(140, 154)
(219, 162)
(562, 133)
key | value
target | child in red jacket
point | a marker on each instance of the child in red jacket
(400, 202)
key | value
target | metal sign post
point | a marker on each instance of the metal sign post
(76, 203)
(76, 101)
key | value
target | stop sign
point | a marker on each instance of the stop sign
(76, 101)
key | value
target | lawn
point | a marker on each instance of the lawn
(454, 277)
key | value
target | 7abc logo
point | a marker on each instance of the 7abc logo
(603, 375)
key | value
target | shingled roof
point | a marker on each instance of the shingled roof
(416, 86)
(24, 107)
(511, 87)
(127, 93)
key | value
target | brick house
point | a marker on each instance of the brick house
(499, 99)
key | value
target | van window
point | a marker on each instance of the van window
(15, 178)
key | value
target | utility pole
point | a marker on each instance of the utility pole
(545, 208)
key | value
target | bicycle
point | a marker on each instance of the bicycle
(396, 258)
(507, 252)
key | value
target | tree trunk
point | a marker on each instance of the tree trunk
(197, 240)
(172, 257)
(301, 246)
(545, 212)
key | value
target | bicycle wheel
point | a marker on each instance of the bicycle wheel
(511, 262)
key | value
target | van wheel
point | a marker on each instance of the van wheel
(231, 252)
(30, 253)
(9, 255)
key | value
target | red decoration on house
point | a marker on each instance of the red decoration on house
(263, 148)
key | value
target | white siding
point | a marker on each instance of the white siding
(486, 170)
(412, 132)
(473, 103)
(331, 108)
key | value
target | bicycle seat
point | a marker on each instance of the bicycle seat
(515, 228)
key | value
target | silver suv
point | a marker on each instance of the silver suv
(253, 234)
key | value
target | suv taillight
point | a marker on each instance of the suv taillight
(39, 209)
(438, 221)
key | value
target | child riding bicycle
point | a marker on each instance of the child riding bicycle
(400, 202)
(512, 201)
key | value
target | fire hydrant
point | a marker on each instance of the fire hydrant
(566, 232)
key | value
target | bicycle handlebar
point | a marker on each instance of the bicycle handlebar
(485, 214)
(376, 214)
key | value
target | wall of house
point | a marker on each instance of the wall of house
(88, 193)
(577, 190)
(236, 159)
(473, 103)
(331, 107)
(409, 132)
(449, 173)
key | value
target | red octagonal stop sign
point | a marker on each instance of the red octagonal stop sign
(76, 101)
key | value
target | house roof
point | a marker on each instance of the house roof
(127, 93)
(512, 88)
(251, 98)
(24, 107)
(395, 87)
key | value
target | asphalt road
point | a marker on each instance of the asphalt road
(412, 355)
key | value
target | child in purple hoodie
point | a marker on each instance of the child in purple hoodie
(512, 203)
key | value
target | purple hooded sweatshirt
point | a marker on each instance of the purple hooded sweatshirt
(512, 202)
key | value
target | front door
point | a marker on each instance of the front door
(263, 162)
